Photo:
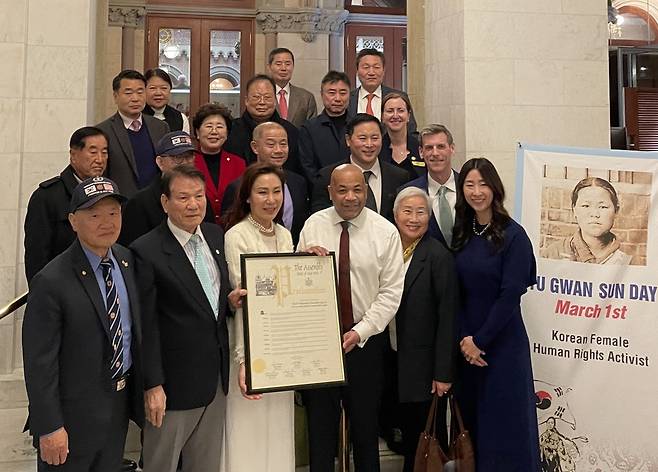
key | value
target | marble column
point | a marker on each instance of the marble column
(43, 99)
(506, 70)
(312, 34)
(47, 49)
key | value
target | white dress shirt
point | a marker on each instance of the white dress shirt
(376, 265)
(183, 238)
(393, 326)
(376, 101)
(159, 114)
(451, 195)
(129, 121)
(375, 181)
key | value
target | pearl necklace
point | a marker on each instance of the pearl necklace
(480, 233)
(259, 226)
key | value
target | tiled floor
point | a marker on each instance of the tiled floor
(389, 463)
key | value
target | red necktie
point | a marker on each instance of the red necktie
(344, 285)
(283, 106)
(369, 111)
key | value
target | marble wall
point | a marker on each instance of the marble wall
(47, 49)
(517, 70)
(42, 100)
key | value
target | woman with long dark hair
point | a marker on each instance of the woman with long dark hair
(495, 265)
(259, 434)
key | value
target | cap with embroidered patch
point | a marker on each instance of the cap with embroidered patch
(90, 191)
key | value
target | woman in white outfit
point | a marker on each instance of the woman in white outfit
(259, 428)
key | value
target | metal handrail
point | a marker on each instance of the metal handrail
(13, 306)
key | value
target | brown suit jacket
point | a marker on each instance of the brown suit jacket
(301, 106)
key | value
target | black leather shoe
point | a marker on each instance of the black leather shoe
(128, 466)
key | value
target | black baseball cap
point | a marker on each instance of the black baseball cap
(90, 191)
(174, 144)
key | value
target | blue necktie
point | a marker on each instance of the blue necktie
(203, 273)
(114, 317)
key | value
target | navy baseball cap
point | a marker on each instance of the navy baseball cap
(174, 144)
(90, 191)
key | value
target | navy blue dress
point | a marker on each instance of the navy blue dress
(498, 401)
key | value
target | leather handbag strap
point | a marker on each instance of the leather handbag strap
(456, 428)
(430, 424)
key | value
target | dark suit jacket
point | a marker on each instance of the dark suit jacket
(301, 106)
(298, 192)
(47, 228)
(321, 144)
(392, 179)
(185, 348)
(143, 212)
(67, 349)
(434, 230)
(425, 321)
(354, 99)
(121, 166)
(414, 163)
(242, 130)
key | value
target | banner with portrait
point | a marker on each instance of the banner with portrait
(592, 318)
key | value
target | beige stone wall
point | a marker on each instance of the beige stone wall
(512, 70)
(416, 58)
(47, 53)
(311, 61)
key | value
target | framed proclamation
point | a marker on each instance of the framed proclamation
(291, 322)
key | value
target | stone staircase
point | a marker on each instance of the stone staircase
(15, 446)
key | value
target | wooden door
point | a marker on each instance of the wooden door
(207, 58)
(390, 39)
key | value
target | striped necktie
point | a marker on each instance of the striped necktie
(114, 318)
(203, 273)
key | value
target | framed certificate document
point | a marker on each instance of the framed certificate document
(291, 322)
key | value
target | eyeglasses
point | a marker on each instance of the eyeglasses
(261, 98)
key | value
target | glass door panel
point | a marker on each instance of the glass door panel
(175, 50)
(224, 69)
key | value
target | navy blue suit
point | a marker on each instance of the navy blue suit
(433, 230)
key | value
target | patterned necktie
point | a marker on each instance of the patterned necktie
(445, 215)
(203, 273)
(114, 318)
(370, 198)
(135, 126)
(369, 110)
(283, 105)
(344, 284)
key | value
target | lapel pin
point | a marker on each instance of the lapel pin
(84, 272)
(216, 251)
(125, 264)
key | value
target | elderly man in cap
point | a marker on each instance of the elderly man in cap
(143, 212)
(47, 228)
(81, 338)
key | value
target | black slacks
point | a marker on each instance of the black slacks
(361, 397)
(107, 457)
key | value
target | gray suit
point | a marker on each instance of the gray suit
(354, 101)
(121, 165)
(301, 106)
